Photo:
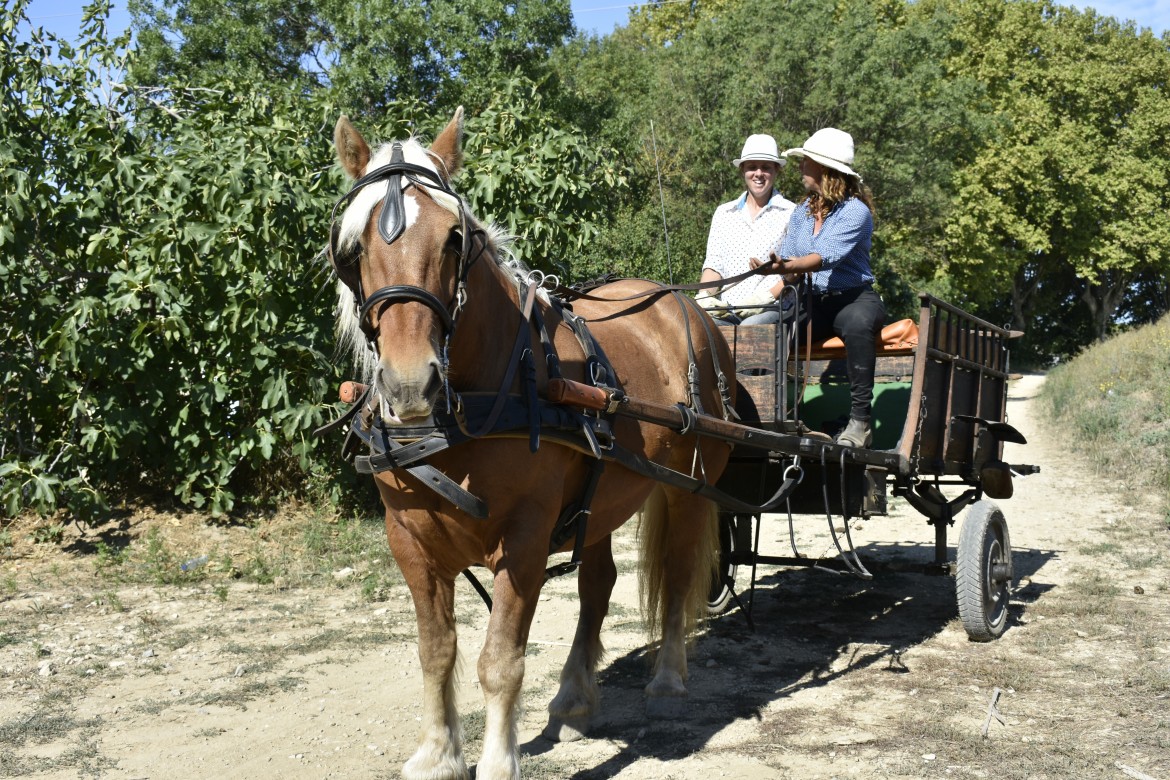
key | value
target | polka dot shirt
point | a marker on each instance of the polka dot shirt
(735, 239)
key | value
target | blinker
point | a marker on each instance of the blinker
(392, 221)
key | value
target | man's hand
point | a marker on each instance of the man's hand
(709, 301)
(755, 304)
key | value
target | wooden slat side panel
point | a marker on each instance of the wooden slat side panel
(961, 433)
(753, 347)
(932, 423)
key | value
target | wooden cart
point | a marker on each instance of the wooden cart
(939, 423)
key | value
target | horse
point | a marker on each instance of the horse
(448, 300)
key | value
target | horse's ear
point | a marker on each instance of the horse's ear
(352, 150)
(449, 145)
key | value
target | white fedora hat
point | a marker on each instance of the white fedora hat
(830, 147)
(760, 147)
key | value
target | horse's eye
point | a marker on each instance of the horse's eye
(455, 241)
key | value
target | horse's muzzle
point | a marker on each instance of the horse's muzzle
(411, 393)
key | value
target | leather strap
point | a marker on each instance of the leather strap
(522, 339)
(570, 294)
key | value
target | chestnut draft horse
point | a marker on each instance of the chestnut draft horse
(448, 306)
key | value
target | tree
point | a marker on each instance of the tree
(661, 23)
(1078, 176)
(873, 68)
(371, 55)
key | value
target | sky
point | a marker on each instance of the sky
(597, 16)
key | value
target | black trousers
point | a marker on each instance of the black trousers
(857, 316)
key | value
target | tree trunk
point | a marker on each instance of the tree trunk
(1024, 285)
(1103, 298)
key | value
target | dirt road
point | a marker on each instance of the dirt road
(840, 678)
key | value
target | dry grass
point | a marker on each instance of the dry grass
(1113, 401)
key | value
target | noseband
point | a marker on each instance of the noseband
(391, 225)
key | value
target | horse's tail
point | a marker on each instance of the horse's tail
(678, 548)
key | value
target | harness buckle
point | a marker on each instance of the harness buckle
(460, 297)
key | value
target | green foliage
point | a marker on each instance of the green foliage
(541, 179)
(168, 323)
(370, 55)
(873, 68)
(1074, 187)
(171, 325)
(660, 23)
(168, 329)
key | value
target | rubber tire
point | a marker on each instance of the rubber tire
(983, 575)
(719, 596)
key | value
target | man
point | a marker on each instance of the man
(751, 226)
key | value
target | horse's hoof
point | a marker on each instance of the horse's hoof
(566, 730)
(663, 707)
(443, 765)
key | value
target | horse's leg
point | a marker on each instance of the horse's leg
(577, 700)
(440, 754)
(679, 543)
(515, 592)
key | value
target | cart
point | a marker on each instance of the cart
(940, 397)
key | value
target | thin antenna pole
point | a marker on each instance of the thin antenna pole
(662, 200)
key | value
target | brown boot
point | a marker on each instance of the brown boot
(857, 433)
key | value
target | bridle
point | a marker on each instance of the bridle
(391, 225)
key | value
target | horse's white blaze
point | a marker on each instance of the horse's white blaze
(410, 206)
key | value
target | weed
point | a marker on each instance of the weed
(150, 623)
(375, 588)
(541, 767)
(160, 563)
(259, 569)
(109, 558)
(1100, 548)
(1111, 402)
(1143, 559)
(112, 600)
(49, 534)
(474, 724)
(249, 691)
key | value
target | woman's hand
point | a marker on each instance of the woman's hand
(775, 264)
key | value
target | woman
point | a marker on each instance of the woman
(748, 227)
(829, 237)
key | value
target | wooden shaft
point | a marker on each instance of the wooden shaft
(592, 398)
(351, 392)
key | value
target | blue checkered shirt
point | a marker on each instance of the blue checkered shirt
(843, 244)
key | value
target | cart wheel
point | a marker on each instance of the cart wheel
(983, 578)
(720, 594)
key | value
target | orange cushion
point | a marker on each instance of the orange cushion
(899, 337)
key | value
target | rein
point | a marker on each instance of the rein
(572, 293)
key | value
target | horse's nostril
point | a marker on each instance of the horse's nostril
(434, 382)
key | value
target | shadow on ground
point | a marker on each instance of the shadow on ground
(811, 627)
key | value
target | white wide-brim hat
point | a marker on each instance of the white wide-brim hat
(830, 147)
(760, 147)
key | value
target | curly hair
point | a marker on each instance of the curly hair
(837, 187)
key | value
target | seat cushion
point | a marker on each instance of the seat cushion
(897, 338)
